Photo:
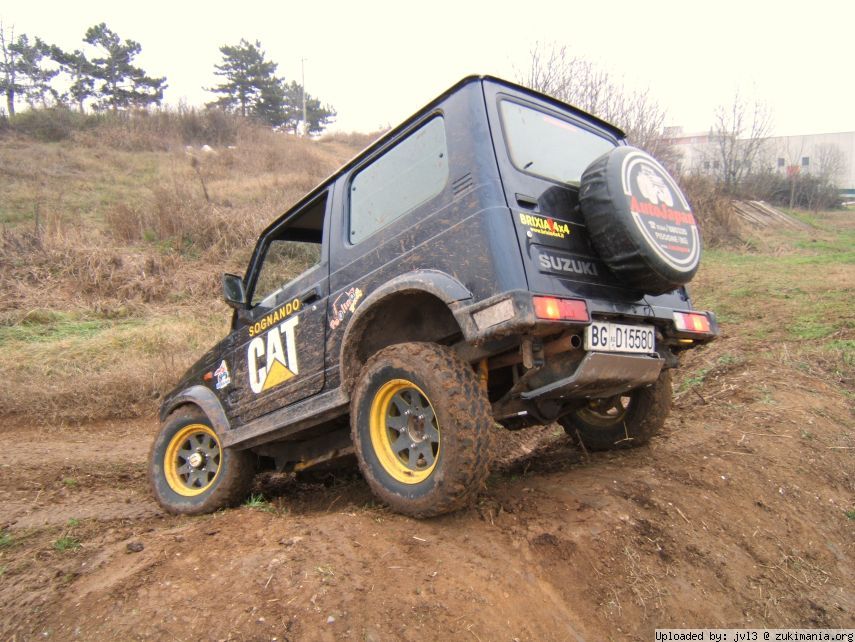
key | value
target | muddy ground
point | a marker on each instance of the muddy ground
(739, 514)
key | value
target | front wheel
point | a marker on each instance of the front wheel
(622, 421)
(190, 473)
(422, 428)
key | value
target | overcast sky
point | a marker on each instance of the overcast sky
(377, 62)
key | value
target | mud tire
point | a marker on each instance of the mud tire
(644, 416)
(230, 486)
(465, 428)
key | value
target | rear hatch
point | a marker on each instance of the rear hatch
(542, 149)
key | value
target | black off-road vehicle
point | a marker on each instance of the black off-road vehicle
(499, 259)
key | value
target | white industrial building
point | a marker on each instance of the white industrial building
(831, 155)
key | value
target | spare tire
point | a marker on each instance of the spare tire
(639, 221)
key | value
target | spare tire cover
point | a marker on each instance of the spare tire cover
(639, 221)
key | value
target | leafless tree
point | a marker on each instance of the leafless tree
(738, 138)
(579, 82)
(830, 162)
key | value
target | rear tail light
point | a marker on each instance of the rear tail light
(692, 322)
(555, 309)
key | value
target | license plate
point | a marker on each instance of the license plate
(616, 337)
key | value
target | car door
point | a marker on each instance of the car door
(279, 338)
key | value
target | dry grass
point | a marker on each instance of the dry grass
(110, 263)
(71, 368)
(111, 249)
(719, 223)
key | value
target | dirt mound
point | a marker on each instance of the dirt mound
(735, 516)
(739, 514)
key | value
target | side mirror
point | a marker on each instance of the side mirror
(233, 291)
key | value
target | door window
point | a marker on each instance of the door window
(290, 252)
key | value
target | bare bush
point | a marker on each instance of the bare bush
(68, 271)
(738, 139)
(357, 140)
(579, 82)
(163, 129)
(712, 207)
(137, 130)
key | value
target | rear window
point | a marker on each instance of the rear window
(547, 146)
(409, 174)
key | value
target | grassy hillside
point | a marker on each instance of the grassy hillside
(111, 250)
(114, 239)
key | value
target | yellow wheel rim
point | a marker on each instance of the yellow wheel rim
(404, 431)
(193, 459)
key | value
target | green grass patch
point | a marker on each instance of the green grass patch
(771, 263)
(805, 217)
(695, 380)
(6, 540)
(66, 543)
(63, 328)
(850, 514)
(258, 502)
(845, 347)
(810, 329)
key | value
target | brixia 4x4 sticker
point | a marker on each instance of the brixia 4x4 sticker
(344, 303)
(271, 358)
(545, 225)
(660, 212)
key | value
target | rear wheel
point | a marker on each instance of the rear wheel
(622, 421)
(191, 473)
(422, 428)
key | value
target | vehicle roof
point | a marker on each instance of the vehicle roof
(382, 140)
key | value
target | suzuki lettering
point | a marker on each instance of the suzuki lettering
(268, 361)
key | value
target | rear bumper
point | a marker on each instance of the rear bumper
(601, 374)
(512, 313)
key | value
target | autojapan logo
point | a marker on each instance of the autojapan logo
(661, 212)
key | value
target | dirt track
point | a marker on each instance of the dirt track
(735, 516)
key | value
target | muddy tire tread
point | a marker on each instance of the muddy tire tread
(232, 487)
(648, 411)
(467, 407)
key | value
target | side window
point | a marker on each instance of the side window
(292, 249)
(409, 174)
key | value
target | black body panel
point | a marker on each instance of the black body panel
(492, 233)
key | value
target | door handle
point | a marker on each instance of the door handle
(311, 296)
(526, 201)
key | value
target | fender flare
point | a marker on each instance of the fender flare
(439, 284)
(206, 400)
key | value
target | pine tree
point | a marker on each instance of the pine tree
(252, 88)
(22, 72)
(77, 68)
(248, 75)
(273, 104)
(117, 82)
(317, 115)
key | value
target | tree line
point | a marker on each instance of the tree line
(105, 77)
(736, 155)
